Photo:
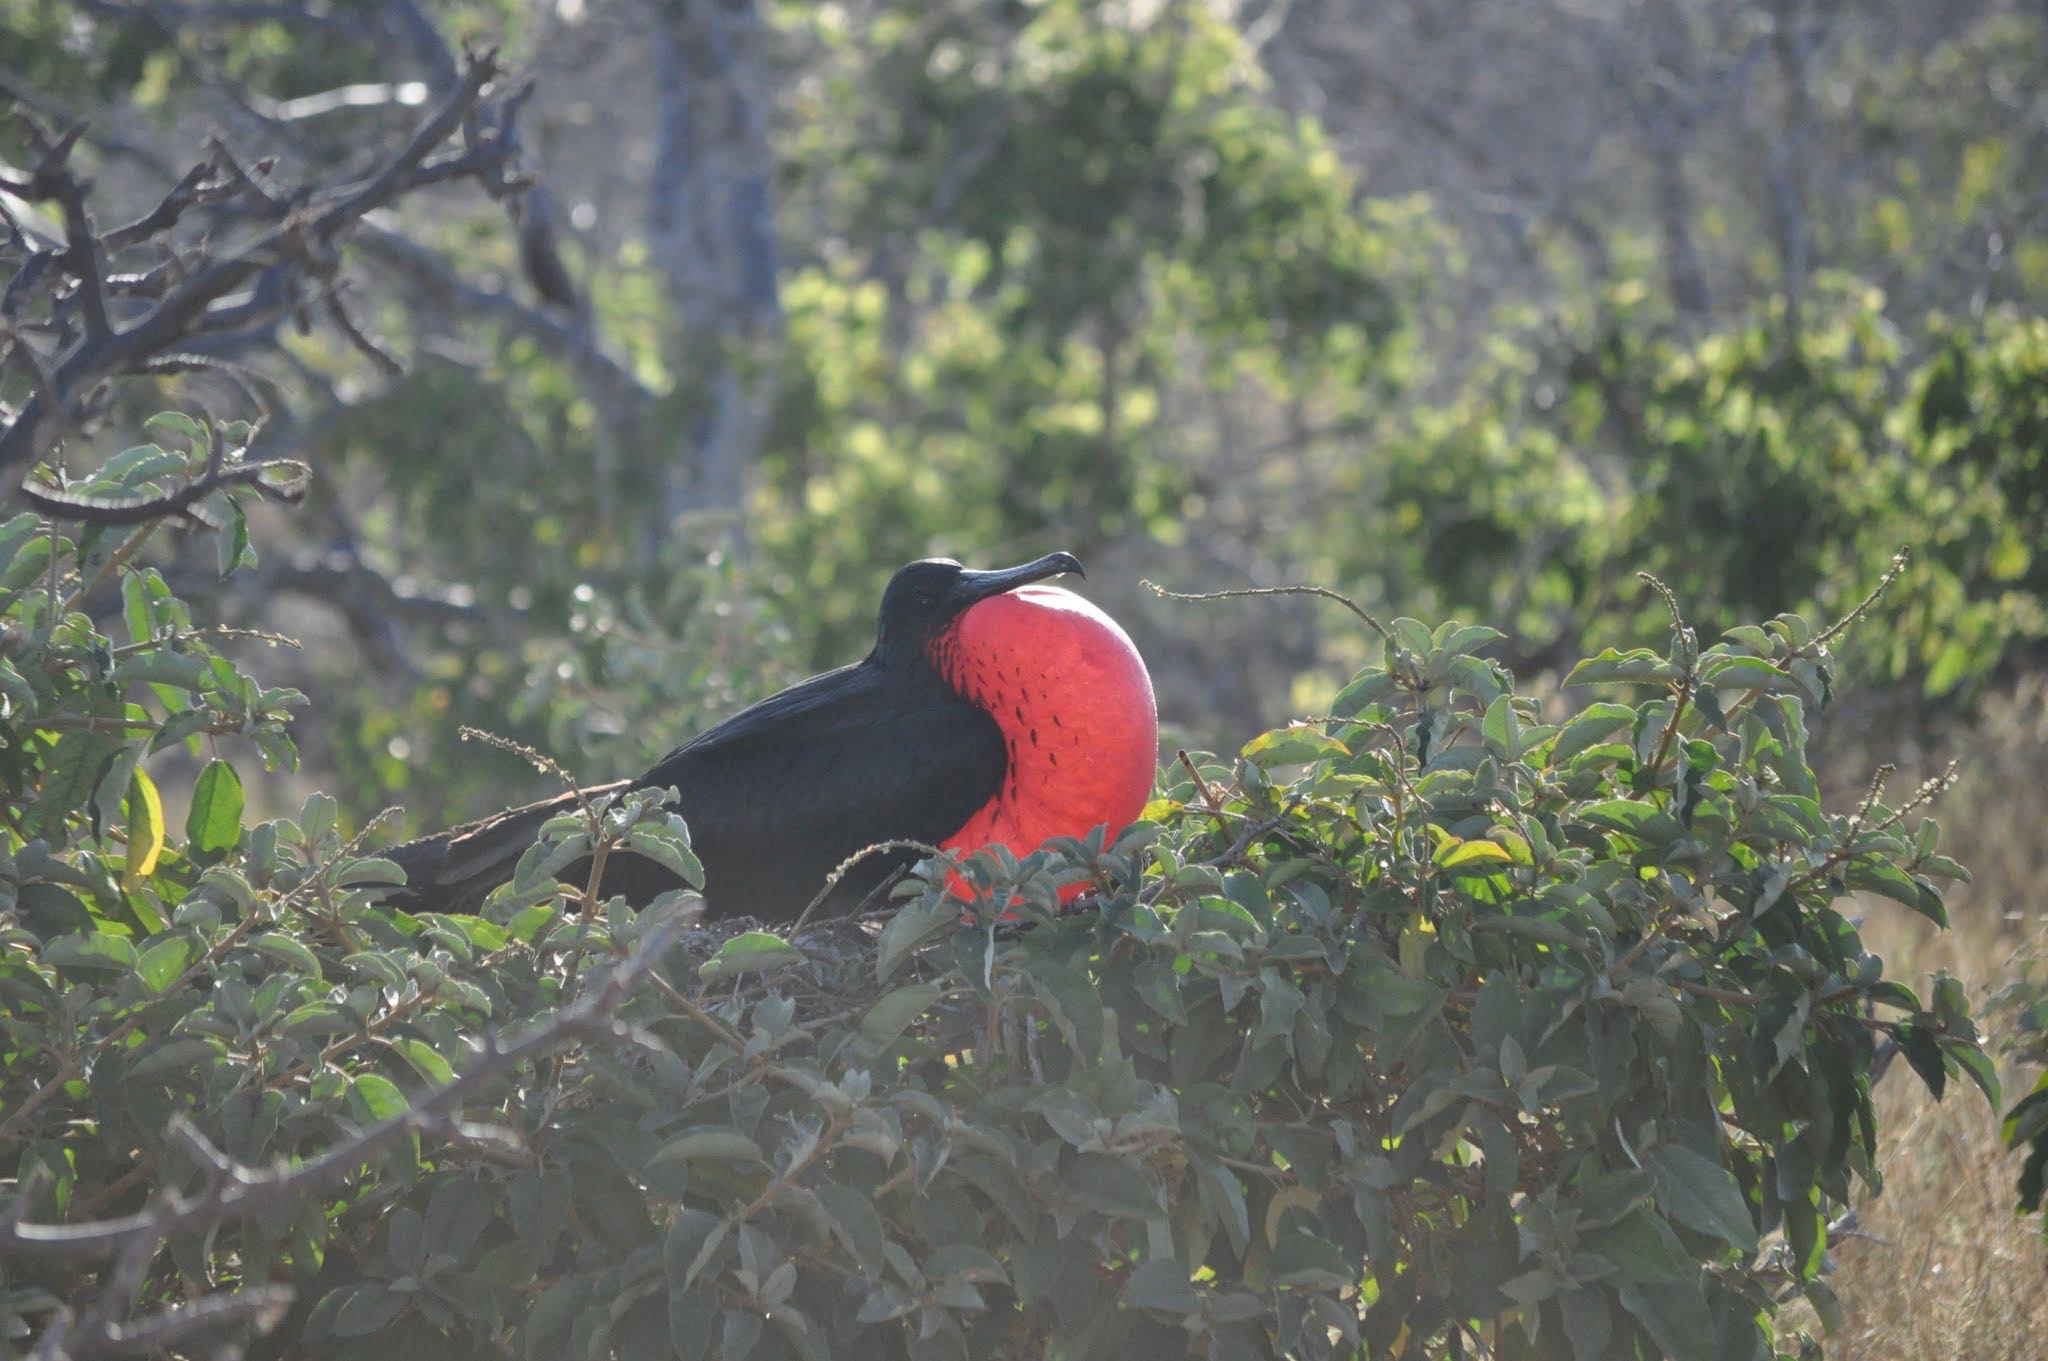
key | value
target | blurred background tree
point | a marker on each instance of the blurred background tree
(1478, 307)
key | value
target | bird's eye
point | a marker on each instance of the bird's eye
(924, 597)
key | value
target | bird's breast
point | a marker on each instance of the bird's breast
(1075, 706)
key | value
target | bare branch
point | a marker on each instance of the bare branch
(283, 268)
(361, 95)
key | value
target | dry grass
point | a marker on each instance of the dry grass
(1945, 1268)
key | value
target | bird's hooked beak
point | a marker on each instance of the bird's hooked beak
(972, 586)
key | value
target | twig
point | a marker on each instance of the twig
(1846, 846)
(1346, 601)
(1208, 795)
(1682, 690)
(832, 879)
(1670, 600)
(1884, 583)
(540, 761)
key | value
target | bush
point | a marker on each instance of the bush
(2022, 1008)
(1431, 1026)
(1752, 472)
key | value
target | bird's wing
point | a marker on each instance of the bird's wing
(778, 795)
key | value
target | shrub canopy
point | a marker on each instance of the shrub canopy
(1424, 1026)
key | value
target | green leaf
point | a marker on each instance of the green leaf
(1746, 673)
(1162, 1284)
(1455, 638)
(1973, 1060)
(13, 536)
(232, 540)
(101, 952)
(1701, 1194)
(2029, 1117)
(424, 1058)
(145, 829)
(692, 1236)
(1806, 1230)
(910, 928)
(668, 847)
(1478, 677)
(162, 963)
(132, 471)
(214, 821)
(1676, 1316)
(30, 561)
(1923, 1051)
(712, 1142)
(68, 779)
(886, 1019)
(1111, 1186)
(368, 869)
(1873, 874)
(1638, 818)
(178, 1054)
(856, 1224)
(1413, 635)
(319, 1019)
(1643, 1248)
(1296, 744)
(374, 1097)
(749, 952)
(1502, 728)
(1941, 867)
(1365, 689)
(287, 950)
(178, 425)
(1588, 1322)
(1588, 728)
(1640, 665)
(135, 611)
(1479, 854)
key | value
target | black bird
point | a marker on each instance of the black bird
(991, 710)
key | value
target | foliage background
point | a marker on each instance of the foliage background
(1473, 309)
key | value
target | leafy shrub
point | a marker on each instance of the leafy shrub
(1752, 472)
(1428, 1027)
(2021, 1007)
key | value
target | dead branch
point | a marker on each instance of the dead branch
(71, 313)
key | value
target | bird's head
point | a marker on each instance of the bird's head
(924, 599)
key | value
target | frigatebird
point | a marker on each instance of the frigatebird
(992, 710)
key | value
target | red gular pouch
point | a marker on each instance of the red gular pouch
(1080, 725)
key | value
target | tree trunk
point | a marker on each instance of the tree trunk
(711, 230)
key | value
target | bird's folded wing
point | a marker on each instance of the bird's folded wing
(778, 798)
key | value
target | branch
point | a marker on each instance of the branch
(274, 274)
(99, 510)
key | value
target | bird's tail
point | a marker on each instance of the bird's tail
(455, 870)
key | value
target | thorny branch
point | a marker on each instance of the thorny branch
(233, 1193)
(102, 305)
